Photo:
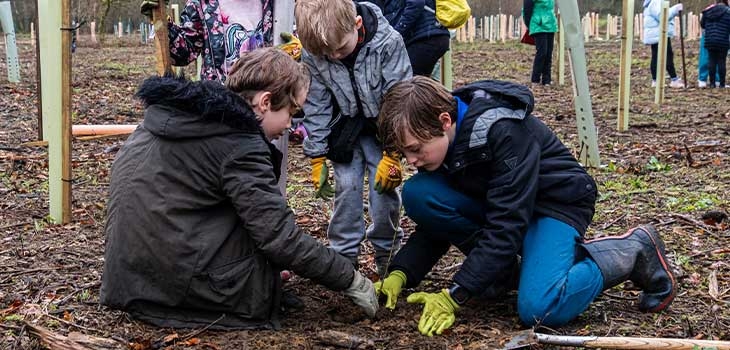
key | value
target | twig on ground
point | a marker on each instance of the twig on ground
(610, 223)
(16, 225)
(18, 273)
(698, 224)
(195, 333)
(73, 324)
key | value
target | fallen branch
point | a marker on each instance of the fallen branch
(698, 224)
(74, 340)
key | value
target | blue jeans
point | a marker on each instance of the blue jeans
(556, 282)
(347, 225)
(703, 65)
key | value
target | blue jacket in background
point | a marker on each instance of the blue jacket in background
(413, 20)
(716, 23)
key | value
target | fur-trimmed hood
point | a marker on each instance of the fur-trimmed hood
(179, 108)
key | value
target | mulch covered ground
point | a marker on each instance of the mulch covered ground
(671, 169)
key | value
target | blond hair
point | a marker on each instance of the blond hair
(414, 105)
(268, 69)
(323, 24)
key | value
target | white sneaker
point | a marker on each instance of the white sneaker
(701, 84)
(653, 83)
(676, 83)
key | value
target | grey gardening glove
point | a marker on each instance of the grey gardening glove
(361, 292)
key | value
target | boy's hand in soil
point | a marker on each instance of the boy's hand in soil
(391, 287)
(389, 173)
(438, 311)
(361, 292)
(320, 178)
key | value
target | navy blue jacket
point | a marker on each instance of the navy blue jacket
(518, 166)
(413, 20)
(716, 22)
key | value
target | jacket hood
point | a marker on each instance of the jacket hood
(716, 11)
(373, 17)
(500, 93)
(179, 108)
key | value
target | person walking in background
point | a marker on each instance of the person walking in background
(652, 12)
(539, 16)
(425, 38)
(716, 23)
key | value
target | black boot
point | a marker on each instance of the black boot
(638, 256)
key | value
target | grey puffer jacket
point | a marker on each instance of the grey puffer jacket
(381, 62)
(196, 227)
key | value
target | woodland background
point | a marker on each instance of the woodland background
(106, 13)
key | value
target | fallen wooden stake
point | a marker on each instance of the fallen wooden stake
(528, 338)
(344, 340)
(92, 130)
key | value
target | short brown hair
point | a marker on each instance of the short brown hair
(414, 105)
(323, 24)
(268, 69)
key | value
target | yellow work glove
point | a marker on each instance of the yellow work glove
(391, 287)
(438, 311)
(148, 6)
(389, 173)
(320, 178)
(292, 46)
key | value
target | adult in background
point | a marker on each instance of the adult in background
(539, 16)
(425, 38)
(716, 23)
(652, 13)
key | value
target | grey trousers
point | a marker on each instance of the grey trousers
(347, 226)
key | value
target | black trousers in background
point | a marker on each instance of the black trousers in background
(717, 59)
(543, 62)
(670, 60)
(426, 52)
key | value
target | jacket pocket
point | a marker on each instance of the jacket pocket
(244, 287)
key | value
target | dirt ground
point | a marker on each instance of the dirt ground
(671, 169)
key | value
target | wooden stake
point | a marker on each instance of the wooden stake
(681, 44)
(661, 66)
(624, 79)
(37, 43)
(66, 176)
(162, 41)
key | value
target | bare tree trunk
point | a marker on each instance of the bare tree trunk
(102, 22)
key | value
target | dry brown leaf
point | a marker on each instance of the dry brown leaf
(170, 338)
(192, 341)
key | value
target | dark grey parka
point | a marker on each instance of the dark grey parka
(196, 227)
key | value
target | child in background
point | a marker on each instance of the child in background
(716, 23)
(354, 56)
